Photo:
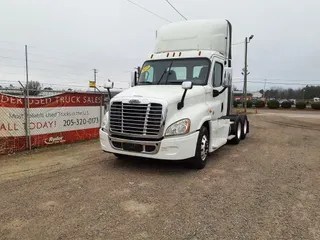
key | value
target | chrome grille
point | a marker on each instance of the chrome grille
(138, 119)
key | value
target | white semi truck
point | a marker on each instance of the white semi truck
(180, 105)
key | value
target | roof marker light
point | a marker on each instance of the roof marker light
(167, 54)
(199, 53)
(179, 54)
(151, 56)
(173, 54)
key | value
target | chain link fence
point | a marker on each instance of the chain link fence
(48, 117)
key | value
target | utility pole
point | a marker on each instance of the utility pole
(264, 89)
(95, 77)
(245, 75)
(27, 103)
(245, 72)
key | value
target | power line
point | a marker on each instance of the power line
(41, 55)
(10, 50)
(280, 83)
(283, 79)
(176, 10)
(53, 84)
(41, 69)
(286, 83)
(62, 56)
(11, 58)
(149, 11)
(49, 63)
(279, 79)
(10, 42)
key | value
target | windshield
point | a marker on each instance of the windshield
(175, 71)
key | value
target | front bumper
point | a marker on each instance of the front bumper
(170, 148)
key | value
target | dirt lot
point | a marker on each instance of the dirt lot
(267, 187)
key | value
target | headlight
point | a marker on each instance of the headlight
(180, 127)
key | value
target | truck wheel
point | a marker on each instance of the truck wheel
(245, 128)
(237, 132)
(199, 161)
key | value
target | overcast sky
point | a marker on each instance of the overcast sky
(68, 38)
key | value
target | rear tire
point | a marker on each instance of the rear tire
(245, 128)
(199, 161)
(237, 132)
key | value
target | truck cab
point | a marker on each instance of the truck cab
(180, 105)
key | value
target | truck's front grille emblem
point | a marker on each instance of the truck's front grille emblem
(135, 118)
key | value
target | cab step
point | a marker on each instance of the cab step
(231, 137)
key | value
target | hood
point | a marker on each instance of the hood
(171, 93)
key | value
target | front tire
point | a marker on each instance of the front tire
(199, 161)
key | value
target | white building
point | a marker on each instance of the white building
(256, 95)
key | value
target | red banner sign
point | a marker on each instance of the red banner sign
(63, 118)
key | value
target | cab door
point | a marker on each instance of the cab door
(216, 104)
(217, 97)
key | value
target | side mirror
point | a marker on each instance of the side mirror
(108, 85)
(227, 78)
(134, 78)
(187, 85)
(215, 93)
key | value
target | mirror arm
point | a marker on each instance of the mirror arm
(218, 92)
(181, 103)
(136, 78)
(109, 93)
(223, 90)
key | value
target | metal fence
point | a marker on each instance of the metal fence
(48, 117)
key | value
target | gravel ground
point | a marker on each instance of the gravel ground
(267, 187)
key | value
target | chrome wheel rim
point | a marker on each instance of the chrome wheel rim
(204, 147)
(239, 130)
(245, 127)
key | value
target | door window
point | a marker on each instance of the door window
(217, 74)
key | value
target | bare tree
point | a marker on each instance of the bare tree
(34, 88)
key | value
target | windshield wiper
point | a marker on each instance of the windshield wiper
(169, 72)
(165, 71)
(161, 77)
